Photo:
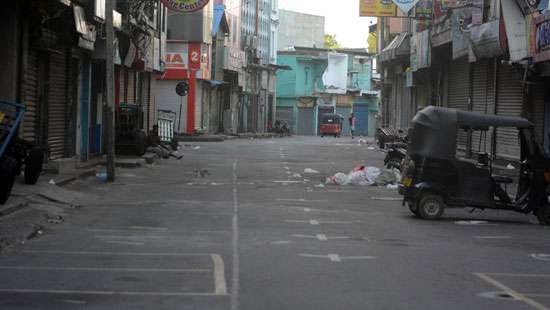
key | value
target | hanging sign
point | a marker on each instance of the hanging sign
(185, 6)
(377, 8)
(405, 5)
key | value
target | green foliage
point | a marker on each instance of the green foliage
(331, 43)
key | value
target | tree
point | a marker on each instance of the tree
(330, 42)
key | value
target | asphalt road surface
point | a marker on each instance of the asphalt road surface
(239, 225)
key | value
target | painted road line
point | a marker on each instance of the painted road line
(320, 237)
(494, 237)
(317, 222)
(125, 242)
(149, 228)
(336, 258)
(129, 237)
(234, 300)
(519, 275)
(288, 182)
(280, 242)
(106, 293)
(90, 253)
(93, 269)
(301, 200)
(387, 198)
(539, 256)
(510, 291)
(220, 285)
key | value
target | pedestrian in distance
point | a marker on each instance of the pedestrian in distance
(351, 120)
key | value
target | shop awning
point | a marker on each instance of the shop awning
(220, 20)
(399, 46)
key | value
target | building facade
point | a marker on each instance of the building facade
(299, 29)
(54, 63)
(322, 82)
(259, 19)
(488, 58)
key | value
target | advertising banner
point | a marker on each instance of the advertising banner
(405, 5)
(377, 8)
(185, 6)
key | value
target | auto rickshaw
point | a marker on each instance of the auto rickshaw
(331, 125)
(435, 179)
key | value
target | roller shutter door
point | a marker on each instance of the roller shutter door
(31, 97)
(538, 110)
(57, 104)
(345, 112)
(510, 103)
(305, 121)
(483, 101)
(131, 84)
(361, 113)
(286, 115)
(459, 92)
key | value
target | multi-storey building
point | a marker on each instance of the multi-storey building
(53, 59)
(258, 22)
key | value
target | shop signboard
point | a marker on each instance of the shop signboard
(377, 8)
(541, 38)
(185, 6)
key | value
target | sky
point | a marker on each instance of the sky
(341, 18)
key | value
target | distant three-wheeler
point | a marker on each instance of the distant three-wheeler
(331, 125)
(434, 178)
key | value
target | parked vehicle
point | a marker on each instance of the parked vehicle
(281, 128)
(15, 152)
(331, 125)
(389, 135)
(435, 179)
(396, 153)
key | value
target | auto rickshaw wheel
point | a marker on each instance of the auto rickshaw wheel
(431, 206)
(543, 215)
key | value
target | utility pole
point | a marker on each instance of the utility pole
(109, 89)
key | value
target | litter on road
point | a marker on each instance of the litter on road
(365, 176)
(310, 171)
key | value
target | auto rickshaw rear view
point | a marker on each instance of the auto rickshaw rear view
(434, 178)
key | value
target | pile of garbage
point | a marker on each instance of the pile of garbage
(367, 176)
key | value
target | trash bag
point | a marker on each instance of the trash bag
(338, 179)
(389, 176)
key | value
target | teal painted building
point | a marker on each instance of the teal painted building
(302, 98)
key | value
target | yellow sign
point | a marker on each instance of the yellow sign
(377, 8)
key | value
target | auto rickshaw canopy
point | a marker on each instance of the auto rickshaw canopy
(332, 118)
(435, 129)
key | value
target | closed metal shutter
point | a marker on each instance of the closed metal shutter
(538, 110)
(305, 121)
(286, 115)
(345, 112)
(31, 97)
(361, 113)
(57, 108)
(167, 99)
(122, 85)
(458, 93)
(131, 84)
(509, 103)
(483, 101)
